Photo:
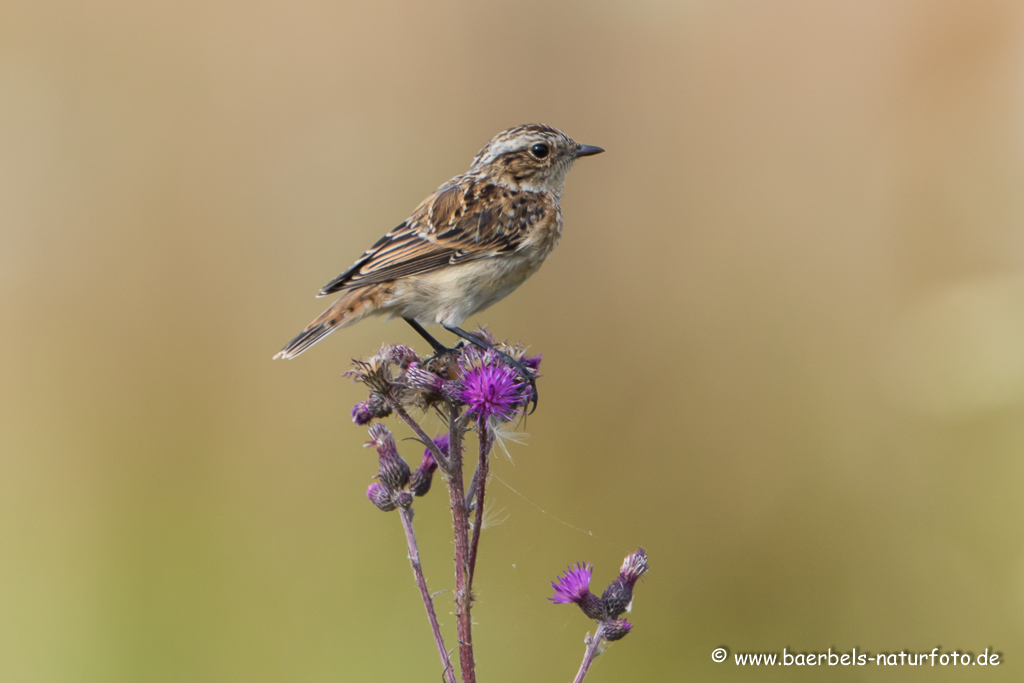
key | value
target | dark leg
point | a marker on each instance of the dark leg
(524, 371)
(438, 347)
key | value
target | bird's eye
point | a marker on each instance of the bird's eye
(540, 150)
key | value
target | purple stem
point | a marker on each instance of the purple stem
(417, 570)
(427, 441)
(593, 649)
(460, 523)
(480, 479)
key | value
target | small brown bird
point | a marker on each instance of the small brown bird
(466, 246)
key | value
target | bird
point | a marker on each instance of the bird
(465, 247)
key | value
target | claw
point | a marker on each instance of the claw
(524, 372)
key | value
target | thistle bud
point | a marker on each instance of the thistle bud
(381, 496)
(365, 412)
(614, 629)
(401, 355)
(393, 472)
(434, 385)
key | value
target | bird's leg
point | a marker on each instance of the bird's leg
(440, 350)
(523, 371)
(438, 347)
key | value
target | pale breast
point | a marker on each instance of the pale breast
(450, 295)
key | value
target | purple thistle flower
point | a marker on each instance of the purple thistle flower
(532, 362)
(614, 629)
(381, 496)
(574, 586)
(421, 479)
(491, 388)
(394, 471)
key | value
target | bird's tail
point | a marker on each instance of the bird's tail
(352, 307)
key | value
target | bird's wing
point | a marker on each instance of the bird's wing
(465, 220)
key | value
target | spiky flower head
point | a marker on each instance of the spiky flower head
(574, 586)
(490, 388)
(614, 629)
(420, 481)
(619, 593)
(394, 472)
(381, 496)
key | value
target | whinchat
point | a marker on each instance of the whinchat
(466, 246)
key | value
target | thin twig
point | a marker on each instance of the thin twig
(428, 603)
(460, 524)
(442, 461)
(480, 479)
(593, 650)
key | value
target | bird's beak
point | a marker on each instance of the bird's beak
(588, 150)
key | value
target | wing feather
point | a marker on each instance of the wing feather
(467, 219)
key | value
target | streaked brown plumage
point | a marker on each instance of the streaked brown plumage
(466, 246)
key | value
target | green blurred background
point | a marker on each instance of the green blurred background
(783, 334)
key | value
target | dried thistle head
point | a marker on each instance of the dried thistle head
(618, 596)
(383, 374)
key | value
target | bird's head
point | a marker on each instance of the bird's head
(532, 157)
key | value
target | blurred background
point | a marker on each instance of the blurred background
(783, 334)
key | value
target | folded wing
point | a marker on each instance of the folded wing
(463, 221)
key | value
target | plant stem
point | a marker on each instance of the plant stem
(417, 570)
(480, 479)
(460, 524)
(442, 461)
(593, 649)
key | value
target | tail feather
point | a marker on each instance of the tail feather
(350, 308)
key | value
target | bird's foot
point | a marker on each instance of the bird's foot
(444, 361)
(526, 373)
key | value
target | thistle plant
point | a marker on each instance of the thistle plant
(476, 390)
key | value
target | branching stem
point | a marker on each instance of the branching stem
(428, 602)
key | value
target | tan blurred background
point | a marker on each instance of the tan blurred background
(783, 334)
